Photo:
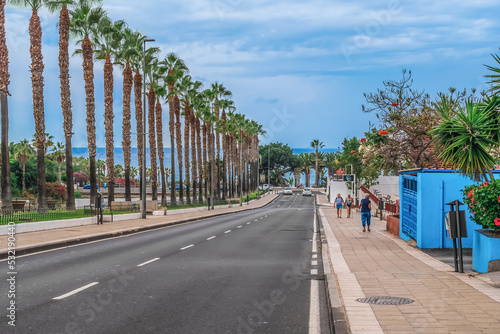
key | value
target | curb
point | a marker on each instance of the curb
(336, 310)
(106, 235)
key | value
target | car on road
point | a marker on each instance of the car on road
(306, 192)
(264, 186)
(287, 191)
(87, 186)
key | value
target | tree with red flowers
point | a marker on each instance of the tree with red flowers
(406, 116)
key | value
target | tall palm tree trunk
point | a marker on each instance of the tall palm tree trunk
(316, 172)
(161, 152)
(224, 155)
(152, 142)
(205, 167)
(35, 31)
(66, 103)
(217, 140)
(138, 120)
(187, 121)
(108, 127)
(126, 127)
(194, 161)
(178, 139)
(4, 113)
(88, 75)
(171, 127)
(200, 160)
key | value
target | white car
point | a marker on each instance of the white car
(306, 192)
(265, 186)
(287, 191)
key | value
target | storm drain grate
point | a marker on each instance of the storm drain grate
(385, 300)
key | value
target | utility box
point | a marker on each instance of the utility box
(423, 196)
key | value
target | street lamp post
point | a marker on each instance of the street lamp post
(241, 169)
(269, 165)
(144, 145)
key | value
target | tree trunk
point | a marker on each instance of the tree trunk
(152, 142)
(171, 127)
(217, 159)
(200, 160)
(126, 127)
(138, 121)
(88, 75)
(6, 187)
(193, 153)
(187, 120)
(64, 23)
(108, 126)
(161, 152)
(178, 139)
(205, 167)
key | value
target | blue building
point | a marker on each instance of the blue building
(423, 197)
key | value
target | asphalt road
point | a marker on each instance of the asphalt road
(252, 272)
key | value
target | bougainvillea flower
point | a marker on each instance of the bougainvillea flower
(472, 201)
(363, 140)
(354, 152)
(383, 132)
(497, 221)
(395, 104)
(498, 199)
(472, 193)
(485, 184)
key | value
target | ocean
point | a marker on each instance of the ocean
(118, 153)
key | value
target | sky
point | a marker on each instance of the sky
(298, 68)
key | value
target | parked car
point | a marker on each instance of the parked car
(264, 186)
(87, 186)
(287, 191)
(271, 187)
(306, 192)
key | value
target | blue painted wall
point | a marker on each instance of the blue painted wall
(436, 188)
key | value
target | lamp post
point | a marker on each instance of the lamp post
(241, 168)
(144, 145)
(269, 165)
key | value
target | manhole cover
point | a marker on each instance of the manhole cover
(385, 300)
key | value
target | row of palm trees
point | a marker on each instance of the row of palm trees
(214, 135)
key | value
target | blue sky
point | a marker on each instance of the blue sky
(299, 68)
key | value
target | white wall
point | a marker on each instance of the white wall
(387, 185)
(336, 187)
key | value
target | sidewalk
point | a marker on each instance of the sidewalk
(370, 264)
(30, 242)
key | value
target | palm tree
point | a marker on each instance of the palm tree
(133, 172)
(107, 40)
(85, 20)
(306, 161)
(4, 93)
(23, 151)
(153, 74)
(331, 162)
(128, 54)
(64, 23)
(466, 136)
(59, 154)
(316, 144)
(36, 68)
(175, 68)
(118, 170)
(161, 92)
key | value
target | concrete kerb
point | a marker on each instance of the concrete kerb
(336, 311)
(100, 236)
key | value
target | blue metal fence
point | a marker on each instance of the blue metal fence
(408, 212)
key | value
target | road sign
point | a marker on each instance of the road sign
(348, 177)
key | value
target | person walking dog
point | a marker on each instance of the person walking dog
(366, 207)
(339, 202)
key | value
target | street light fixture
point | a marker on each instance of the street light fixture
(143, 176)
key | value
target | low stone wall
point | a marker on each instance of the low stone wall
(393, 224)
(49, 225)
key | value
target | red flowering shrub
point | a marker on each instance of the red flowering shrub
(484, 200)
(383, 132)
(56, 191)
(363, 140)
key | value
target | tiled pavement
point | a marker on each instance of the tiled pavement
(40, 240)
(375, 263)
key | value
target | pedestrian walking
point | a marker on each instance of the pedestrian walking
(366, 208)
(348, 204)
(339, 202)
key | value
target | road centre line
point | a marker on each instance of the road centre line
(256, 220)
(240, 226)
(183, 248)
(147, 262)
(212, 237)
(227, 231)
(76, 291)
(249, 223)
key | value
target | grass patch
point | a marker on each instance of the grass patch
(34, 216)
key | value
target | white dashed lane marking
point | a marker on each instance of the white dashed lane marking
(148, 262)
(211, 238)
(240, 226)
(76, 291)
(183, 248)
(227, 231)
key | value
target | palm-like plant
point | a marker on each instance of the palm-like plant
(316, 144)
(107, 40)
(35, 31)
(23, 151)
(128, 54)
(84, 22)
(175, 69)
(64, 24)
(466, 136)
(306, 161)
(4, 93)
(59, 154)
(133, 172)
(161, 92)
